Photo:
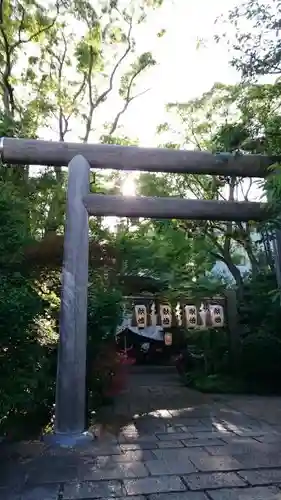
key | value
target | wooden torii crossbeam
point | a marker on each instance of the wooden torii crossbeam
(109, 156)
(174, 208)
(80, 158)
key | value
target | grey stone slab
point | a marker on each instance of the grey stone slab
(102, 471)
(171, 467)
(102, 448)
(211, 435)
(242, 426)
(47, 492)
(275, 428)
(249, 433)
(7, 494)
(197, 428)
(191, 412)
(191, 422)
(233, 439)
(215, 463)
(203, 442)
(214, 480)
(146, 438)
(181, 454)
(88, 489)
(264, 428)
(185, 495)
(259, 460)
(269, 438)
(148, 485)
(135, 497)
(52, 474)
(218, 425)
(133, 456)
(137, 446)
(258, 493)
(170, 444)
(174, 436)
(11, 474)
(237, 449)
(261, 476)
(171, 429)
(23, 449)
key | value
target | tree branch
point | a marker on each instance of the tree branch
(8, 91)
(245, 195)
(128, 99)
(103, 96)
(37, 33)
(63, 123)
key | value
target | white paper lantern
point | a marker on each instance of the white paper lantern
(166, 315)
(217, 315)
(191, 316)
(141, 316)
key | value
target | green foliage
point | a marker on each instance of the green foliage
(14, 225)
(260, 359)
(257, 311)
(27, 367)
(104, 315)
(259, 353)
(257, 45)
(27, 341)
(260, 321)
(104, 301)
(60, 63)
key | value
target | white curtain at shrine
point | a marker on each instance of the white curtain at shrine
(151, 332)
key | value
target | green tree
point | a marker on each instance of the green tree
(256, 44)
(55, 80)
(226, 118)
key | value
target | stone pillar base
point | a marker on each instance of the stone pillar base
(69, 440)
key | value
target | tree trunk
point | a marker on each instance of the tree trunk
(236, 275)
(252, 258)
(226, 258)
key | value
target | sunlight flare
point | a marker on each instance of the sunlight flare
(129, 186)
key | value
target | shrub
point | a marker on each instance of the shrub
(104, 315)
(260, 347)
(257, 310)
(260, 358)
(26, 338)
(27, 352)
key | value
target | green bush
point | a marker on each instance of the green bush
(260, 358)
(259, 367)
(260, 333)
(26, 355)
(104, 315)
(212, 345)
(258, 312)
(26, 370)
(28, 350)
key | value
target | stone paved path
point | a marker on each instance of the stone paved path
(173, 444)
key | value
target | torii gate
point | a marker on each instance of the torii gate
(70, 411)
